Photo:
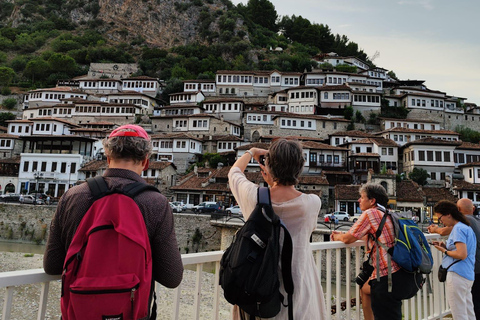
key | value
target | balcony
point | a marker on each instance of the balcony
(201, 297)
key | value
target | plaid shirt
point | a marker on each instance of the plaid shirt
(368, 223)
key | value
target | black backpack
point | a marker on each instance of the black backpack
(249, 267)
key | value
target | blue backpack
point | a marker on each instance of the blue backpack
(411, 250)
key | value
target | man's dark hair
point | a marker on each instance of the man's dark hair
(377, 192)
(285, 161)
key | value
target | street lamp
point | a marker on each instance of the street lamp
(37, 175)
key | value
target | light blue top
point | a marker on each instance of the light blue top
(464, 234)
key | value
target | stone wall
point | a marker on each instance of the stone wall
(195, 233)
(28, 223)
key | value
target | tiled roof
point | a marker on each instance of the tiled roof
(7, 135)
(318, 180)
(321, 146)
(299, 138)
(261, 145)
(226, 137)
(469, 145)
(464, 185)
(334, 88)
(409, 130)
(140, 78)
(409, 120)
(218, 100)
(15, 159)
(309, 116)
(352, 133)
(364, 154)
(347, 192)
(430, 141)
(409, 190)
(470, 164)
(382, 142)
(160, 165)
(95, 165)
(433, 195)
(4, 129)
(180, 135)
(56, 119)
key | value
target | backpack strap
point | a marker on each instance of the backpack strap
(287, 253)
(379, 244)
(98, 187)
(263, 196)
(133, 189)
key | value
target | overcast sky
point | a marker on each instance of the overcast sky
(433, 40)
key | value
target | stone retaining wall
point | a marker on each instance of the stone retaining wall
(28, 223)
(195, 233)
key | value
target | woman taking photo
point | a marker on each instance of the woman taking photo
(299, 212)
(460, 246)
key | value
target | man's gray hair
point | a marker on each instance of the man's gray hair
(128, 148)
(375, 191)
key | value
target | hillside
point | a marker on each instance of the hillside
(43, 41)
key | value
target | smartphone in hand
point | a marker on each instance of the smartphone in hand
(261, 160)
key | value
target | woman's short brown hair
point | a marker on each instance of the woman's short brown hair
(285, 161)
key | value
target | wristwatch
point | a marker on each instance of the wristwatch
(446, 252)
(250, 152)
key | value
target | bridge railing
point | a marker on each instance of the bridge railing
(199, 296)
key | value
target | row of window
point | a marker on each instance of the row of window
(227, 145)
(321, 158)
(433, 175)
(137, 102)
(415, 125)
(173, 112)
(293, 123)
(303, 95)
(423, 103)
(53, 167)
(429, 155)
(139, 84)
(182, 97)
(302, 109)
(94, 109)
(341, 96)
(365, 98)
(461, 157)
(387, 150)
(259, 118)
(20, 129)
(200, 123)
(5, 143)
(44, 127)
(53, 96)
(204, 86)
(224, 106)
(470, 173)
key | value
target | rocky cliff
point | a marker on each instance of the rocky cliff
(160, 23)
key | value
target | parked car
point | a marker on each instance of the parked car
(39, 195)
(355, 217)
(199, 206)
(31, 199)
(10, 197)
(209, 207)
(175, 208)
(234, 210)
(180, 204)
(340, 215)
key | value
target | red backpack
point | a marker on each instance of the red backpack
(107, 272)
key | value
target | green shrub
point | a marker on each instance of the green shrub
(9, 103)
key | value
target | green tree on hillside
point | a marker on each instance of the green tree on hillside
(261, 12)
(467, 134)
(5, 116)
(6, 76)
(419, 175)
